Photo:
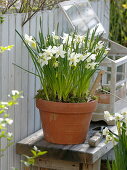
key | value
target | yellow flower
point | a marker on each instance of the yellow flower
(124, 6)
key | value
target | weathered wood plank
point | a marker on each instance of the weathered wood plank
(4, 88)
(56, 164)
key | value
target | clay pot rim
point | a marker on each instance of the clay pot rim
(92, 101)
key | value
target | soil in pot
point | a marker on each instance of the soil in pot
(65, 123)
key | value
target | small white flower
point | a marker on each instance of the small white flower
(73, 58)
(67, 39)
(1, 120)
(108, 116)
(4, 103)
(109, 138)
(105, 131)
(14, 92)
(35, 148)
(48, 51)
(118, 116)
(9, 134)
(91, 57)
(9, 121)
(3, 125)
(30, 41)
(58, 51)
(43, 58)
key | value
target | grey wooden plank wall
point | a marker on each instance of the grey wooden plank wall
(25, 115)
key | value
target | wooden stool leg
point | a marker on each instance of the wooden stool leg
(95, 166)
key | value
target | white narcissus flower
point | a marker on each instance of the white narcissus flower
(48, 51)
(61, 51)
(43, 59)
(105, 131)
(91, 57)
(73, 58)
(58, 51)
(67, 39)
(109, 138)
(30, 41)
(108, 116)
(9, 121)
(118, 117)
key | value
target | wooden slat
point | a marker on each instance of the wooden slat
(18, 86)
(24, 81)
(56, 164)
(31, 84)
(11, 82)
(37, 124)
(5, 82)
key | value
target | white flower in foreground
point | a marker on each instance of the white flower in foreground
(118, 117)
(43, 59)
(9, 121)
(109, 138)
(105, 131)
(9, 134)
(58, 51)
(30, 41)
(73, 58)
(14, 92)
(4, 103)
(3, 125)
(35, 148)
(1, 120)
(108, 116)
(48, 52)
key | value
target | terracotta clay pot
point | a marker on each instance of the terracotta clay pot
(65, 123)
(103, 98)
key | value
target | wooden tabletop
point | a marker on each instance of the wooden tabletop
(79, 153)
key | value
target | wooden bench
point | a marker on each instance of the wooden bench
(65, 157)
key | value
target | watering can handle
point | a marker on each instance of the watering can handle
(97, 81)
